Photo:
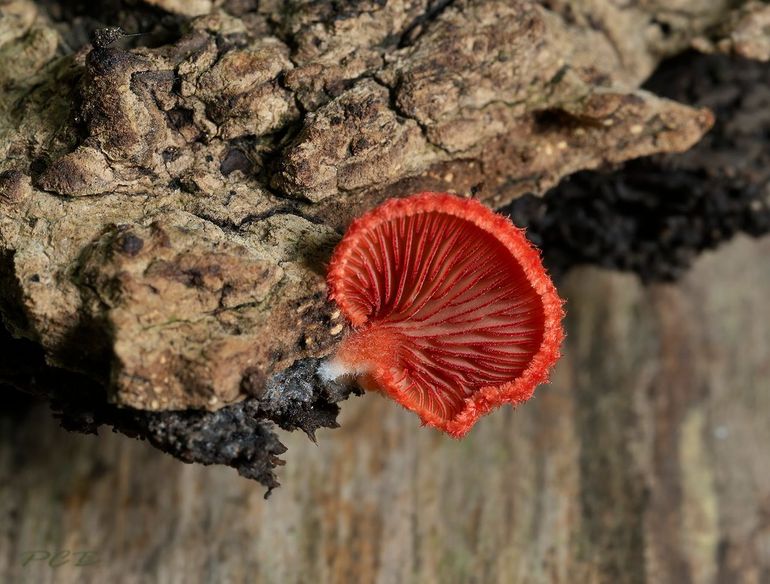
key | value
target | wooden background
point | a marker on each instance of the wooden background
(645, 460)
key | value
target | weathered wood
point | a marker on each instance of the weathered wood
(645, 460)
(166, 209)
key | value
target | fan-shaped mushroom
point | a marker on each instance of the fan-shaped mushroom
(453, 312)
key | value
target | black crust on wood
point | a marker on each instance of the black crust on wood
(241, 435)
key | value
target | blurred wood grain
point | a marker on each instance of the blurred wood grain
(645, 460)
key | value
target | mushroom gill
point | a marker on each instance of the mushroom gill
(452, 310)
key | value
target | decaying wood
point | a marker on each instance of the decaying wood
(644, 461)
(167, 210)
(168, 201)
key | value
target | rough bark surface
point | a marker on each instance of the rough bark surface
(167, 201)
(643, 462)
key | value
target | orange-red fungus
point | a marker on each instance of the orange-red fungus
(452, 310)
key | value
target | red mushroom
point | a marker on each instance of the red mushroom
(452, 310)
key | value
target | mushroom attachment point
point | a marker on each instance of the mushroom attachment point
(452, 311)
